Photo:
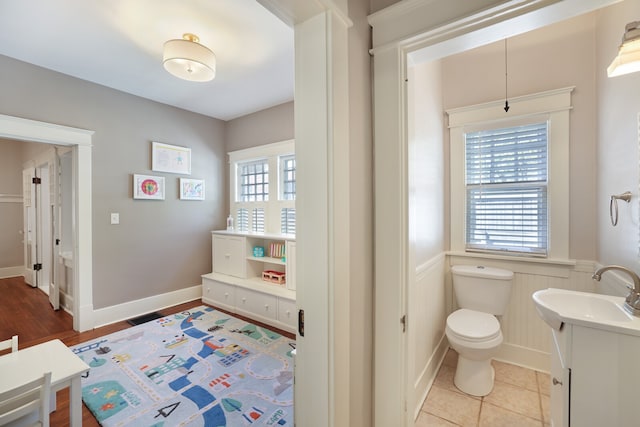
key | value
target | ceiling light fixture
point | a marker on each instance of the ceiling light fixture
(628, 58)
(187, 59)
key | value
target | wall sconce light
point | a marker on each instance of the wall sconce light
(187, 59)
(628, 58)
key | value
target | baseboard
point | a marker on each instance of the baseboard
(525, 357)
(428, 374)
(127, 310)
(6, 272)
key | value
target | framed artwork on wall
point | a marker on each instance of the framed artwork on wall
(148, 187)
(170, 158)
(191, 189)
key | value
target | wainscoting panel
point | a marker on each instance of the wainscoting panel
(427, 302)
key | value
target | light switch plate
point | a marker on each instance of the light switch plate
(115, 218)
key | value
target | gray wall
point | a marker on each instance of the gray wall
(159, 246)
(264, 127)
(11, 251)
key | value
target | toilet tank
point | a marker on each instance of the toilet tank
(482, 288)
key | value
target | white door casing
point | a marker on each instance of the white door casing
(29, 224)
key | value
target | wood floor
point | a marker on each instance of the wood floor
(25, 311)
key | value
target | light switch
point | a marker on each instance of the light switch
(115, 218)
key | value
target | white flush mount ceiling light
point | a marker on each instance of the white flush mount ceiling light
(187, 59)
(628, 58)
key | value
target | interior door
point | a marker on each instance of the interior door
(29, 224)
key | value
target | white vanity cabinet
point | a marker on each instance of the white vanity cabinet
(594, 377)
(236, 283)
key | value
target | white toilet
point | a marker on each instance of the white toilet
(473, 331)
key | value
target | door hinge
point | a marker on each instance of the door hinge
(36, 180)
(57, 242)
(37, 267)
(403, 321)
(301, 322)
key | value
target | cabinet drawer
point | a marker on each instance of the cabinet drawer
(287, 312)
(220, 293)
(257, 303)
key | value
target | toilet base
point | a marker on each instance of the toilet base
(474, 377)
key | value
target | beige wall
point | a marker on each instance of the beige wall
(159, 246)
(556, 56)
(618, 133)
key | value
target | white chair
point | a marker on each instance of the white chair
(25, 402)
(11, 343)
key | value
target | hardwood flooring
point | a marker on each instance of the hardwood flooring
(26, 312)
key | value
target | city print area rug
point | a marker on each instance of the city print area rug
(197, 368)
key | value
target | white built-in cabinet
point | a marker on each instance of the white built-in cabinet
(236, 282)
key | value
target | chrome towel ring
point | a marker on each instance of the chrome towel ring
(613, 205)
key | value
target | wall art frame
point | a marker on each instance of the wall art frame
(170, 158)
(148, 187)
(192, 189)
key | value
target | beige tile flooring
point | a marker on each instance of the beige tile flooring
(520, 397)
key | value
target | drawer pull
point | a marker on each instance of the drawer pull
(266, 307)
(226, 294)
(288, 313)
(244, 299)
(556, 382)
(227, 255)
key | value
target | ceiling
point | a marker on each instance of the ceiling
(118, 43)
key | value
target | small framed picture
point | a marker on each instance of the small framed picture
(170, 158)
(148, 187)
(191, 189)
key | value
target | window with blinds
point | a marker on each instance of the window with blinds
(242, 219)
(506, 189)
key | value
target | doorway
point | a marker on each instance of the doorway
(79, 142)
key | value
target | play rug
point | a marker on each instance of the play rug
(197, 368)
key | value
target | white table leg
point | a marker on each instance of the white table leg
(75, 402)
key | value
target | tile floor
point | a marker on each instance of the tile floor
(520, 397)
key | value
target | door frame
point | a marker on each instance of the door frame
(407, 33)
(20, 129)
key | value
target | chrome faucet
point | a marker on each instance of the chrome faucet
(632, 302)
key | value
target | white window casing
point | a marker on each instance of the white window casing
(552, 107)
(262, 215)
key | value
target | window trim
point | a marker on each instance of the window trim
(554, 106)
(272, 207)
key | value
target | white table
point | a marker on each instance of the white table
(30, 363)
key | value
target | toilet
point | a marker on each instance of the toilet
(482, 293)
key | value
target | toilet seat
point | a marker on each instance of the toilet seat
(471, 325)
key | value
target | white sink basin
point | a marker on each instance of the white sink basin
(557, 306)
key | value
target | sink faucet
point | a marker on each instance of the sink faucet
(632, 302)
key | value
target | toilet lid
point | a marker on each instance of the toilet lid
(473, 325)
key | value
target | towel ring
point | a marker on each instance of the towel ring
(613, 205)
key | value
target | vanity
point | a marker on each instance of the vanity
(594, 357)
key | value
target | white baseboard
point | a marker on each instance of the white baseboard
(6, 272)
(428, 374)
(525, 357)
(127, 310)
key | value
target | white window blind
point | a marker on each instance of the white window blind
(257, 223)
(506, 185)
(242, 219)
(288, 220)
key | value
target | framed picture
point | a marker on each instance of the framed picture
(148, 187)
(170, 158)
(191, 189)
